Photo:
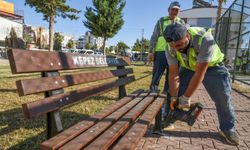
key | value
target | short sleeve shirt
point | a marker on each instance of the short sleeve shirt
(205, 50)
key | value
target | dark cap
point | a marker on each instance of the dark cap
(175, 4)
(174, 32)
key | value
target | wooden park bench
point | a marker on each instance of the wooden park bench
(119, 126)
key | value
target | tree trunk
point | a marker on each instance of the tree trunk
(220, 2)
(103, 45)
(51, 32)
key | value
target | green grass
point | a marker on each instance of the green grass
(16, 132)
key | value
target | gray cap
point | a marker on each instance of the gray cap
(174, 32)
(175, 4)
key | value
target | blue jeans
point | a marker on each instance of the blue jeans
(218, 85)
(160, 65)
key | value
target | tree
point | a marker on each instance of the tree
(27, 38)
(105, 19)
(50, 10)
(137, 46)
(71, 44)
(58, 38)
(146, 45)
(94, 47)
(87, 46)
(220, 3)
(111, 48)
(122, 47)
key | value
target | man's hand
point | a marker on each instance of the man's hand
(184, 102)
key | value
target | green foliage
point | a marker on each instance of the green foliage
(146, 45)
(94, 47)
(58, 38)
(121, 47)
(105, 19)
(71, 44)
(87, 46)
(50, 10)
(27, 38)
(139, 45)
(53, 8)
(110, 49)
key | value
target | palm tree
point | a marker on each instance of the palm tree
(220, 3)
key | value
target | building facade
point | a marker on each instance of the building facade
(9, 20)
(90, 39)
(66, 39)
(202, 14)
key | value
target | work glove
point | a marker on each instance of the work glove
(184, 102)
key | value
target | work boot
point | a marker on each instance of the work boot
(231, 137)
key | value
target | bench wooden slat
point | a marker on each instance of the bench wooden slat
(39, 107)
(137, 131)
(65, 136)
(31, 86)
(26, 61)
(105, 140)
(85, 138)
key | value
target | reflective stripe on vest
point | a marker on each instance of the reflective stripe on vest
(161, 42)
(189, 61)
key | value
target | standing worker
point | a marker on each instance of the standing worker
(157, 53)
(158, 46)
(201, 61)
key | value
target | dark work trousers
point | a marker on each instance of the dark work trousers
(160, 65)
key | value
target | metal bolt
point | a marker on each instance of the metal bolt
(111, 132)
(82, 124)
(129, 138)
(91, 131)
(133, 133)
(61, 100)
(56, 82)
(63, 81)
(59, 64)
(51, 64)
(115, 128)
(67, 98)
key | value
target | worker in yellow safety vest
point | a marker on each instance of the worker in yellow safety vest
(200, 59)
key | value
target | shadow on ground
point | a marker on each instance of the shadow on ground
(13, 119)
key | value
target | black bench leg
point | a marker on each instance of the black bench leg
(122, 89)
(54, 124)
(158, 122)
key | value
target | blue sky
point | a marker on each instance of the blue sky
(138, 15)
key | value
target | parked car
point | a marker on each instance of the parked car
(89, 52)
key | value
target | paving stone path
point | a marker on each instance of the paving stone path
(203, 135)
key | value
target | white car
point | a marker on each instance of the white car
(89, 52)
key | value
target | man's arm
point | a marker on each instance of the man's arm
(197, 78)
(174, 80)
(154, 37)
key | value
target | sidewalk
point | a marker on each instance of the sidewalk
(203, 135)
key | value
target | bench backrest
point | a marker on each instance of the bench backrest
(49, 64)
